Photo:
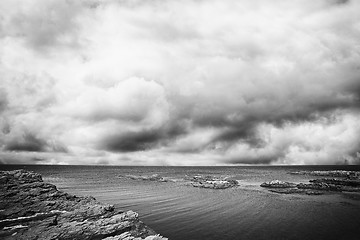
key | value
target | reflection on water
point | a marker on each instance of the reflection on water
(182, 212)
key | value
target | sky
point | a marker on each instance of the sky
(170, 82)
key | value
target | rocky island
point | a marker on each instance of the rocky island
(340, 181)
(33, 209)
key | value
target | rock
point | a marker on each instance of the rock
(195, 181)
(33, 209)
(212, 182)
(316, 186)
(335, 173)
(336, 181)
(278, 184)
(319, 186)
(296, 191)
(126, 236)
(334, 184)
(154, 177)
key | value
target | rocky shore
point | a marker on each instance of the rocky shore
(345, 181)
(33, 209)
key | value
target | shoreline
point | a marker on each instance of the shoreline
(33, 209)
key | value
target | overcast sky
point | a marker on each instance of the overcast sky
(170, 82)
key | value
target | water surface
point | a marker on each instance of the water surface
(182, 212)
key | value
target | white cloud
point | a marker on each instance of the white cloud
(320, 142)
(133, 100)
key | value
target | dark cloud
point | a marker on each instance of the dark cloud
(297, 110)
(3, 100)
(44, 24)
(246, 133)
(253, 160)
(132, 141)
(56, 147)
(37, 160)
(28, 143)
(339, 2)
(142, 140)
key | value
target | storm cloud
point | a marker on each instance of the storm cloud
(28, 143)
(180, 82)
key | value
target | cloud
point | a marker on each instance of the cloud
(3, 100)
(41, 24)
(29, 143)
(322, 141)
(133, 99)
(132, 141)
(154, 82)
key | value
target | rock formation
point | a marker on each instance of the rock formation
(33, 209)
(212, 182)
(278, 184)
(345, 181)
(154, 177)
(195, 181)
(334, 173)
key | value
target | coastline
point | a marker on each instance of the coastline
(33, 209)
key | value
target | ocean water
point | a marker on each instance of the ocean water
(182, 212)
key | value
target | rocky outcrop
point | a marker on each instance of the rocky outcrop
(345, 181)
(296, 191)
(332, 184)
(278, 184)
(335, 173)
(154, 177)
(33, 209)
(209, 182)
(319, 186)
(337, 181)
(212, 182)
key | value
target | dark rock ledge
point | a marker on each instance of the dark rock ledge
(345, 181)
(33, 209)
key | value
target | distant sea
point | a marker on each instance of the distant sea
(182, 212)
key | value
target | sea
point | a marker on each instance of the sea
(182, 212)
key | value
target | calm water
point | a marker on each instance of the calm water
(182, 212)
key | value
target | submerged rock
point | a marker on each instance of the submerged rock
(33, 209)
(278, 184)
